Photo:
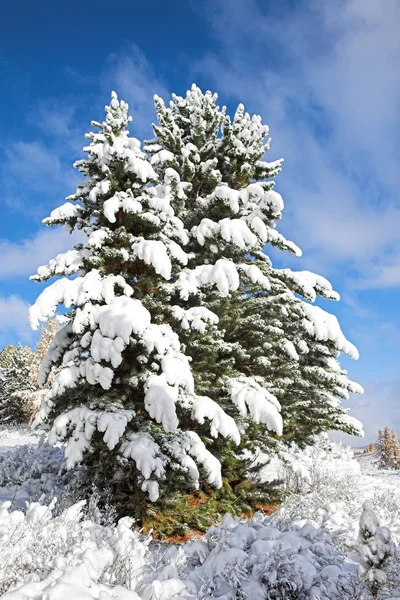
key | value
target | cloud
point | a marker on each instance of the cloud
(326, 77)
(376, 409)
(31, 172)
(133, 78)
(14, 319)
(34, 162)
(21, 259)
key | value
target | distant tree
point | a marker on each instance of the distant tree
(388, 449)
(17, 392)
(395, 449)
(20, 392)
(369, 448)
(47, 333)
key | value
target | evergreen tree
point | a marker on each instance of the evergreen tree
(395, 450)
(17, 391)
(183, 342)
(269, 340)
(388, 449)
(124, 393)
(376, 549)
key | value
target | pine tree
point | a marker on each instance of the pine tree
(388, 449)
(17, 392)
(395, 450)
(376, 549)
(183, 342)
(124, 395)
(269, 341)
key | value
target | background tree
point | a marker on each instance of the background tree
(17, 391)
(369, 448)
(388, 449)
(47, 333)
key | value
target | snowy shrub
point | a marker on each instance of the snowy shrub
(69, 556)
(255, 560)
(40, 551)
(334, 503)
(19, 464)
(33, 472)
(387, 508)
(305, 469)
(376, 548)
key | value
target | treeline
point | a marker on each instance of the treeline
(20, 393)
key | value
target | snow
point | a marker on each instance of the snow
(120, 200)
(250, 397)
(91, 287)
(223, 274)
(309, 284)
(198, 317)
(66, 263)
(154, 253)
(196, 448)
(148, 459)
(325, 327)
(221, 423)
(255, 275)
(63, 213)
(310, 547)
(234, 231)
(160, 400)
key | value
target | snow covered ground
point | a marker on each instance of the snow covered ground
(307, 550)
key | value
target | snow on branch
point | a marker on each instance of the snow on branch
(325, 327)
(249, 397)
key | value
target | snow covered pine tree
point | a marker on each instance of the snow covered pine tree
(17, 389)
(181, 335)
(270, 347)
(376, 548)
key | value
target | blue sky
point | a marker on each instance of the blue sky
(324, 75)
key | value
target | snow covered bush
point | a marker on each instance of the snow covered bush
(376, 548)
(253, 559)
(33, 472)
(309, 468)
(69, 556)
(183, 344)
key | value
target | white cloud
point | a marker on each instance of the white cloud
(376, 409)
(14, 319)
(31, 172)
(32, 161)
(21, 259)
(326, 78)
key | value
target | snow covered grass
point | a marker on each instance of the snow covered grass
(308, 550)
